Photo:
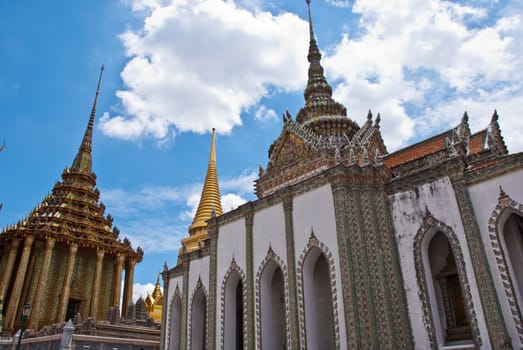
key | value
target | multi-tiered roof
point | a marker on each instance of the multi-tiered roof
(72, 212)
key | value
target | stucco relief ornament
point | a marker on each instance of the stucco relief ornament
(270, 252)
(429, 219)
(313, 240)
(199, 284)
(504, 199)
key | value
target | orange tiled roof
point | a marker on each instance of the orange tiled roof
(476, 142)
(416, 151)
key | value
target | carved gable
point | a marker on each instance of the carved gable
(289, 150)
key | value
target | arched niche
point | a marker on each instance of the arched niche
(506, 232)
(448, 310)
(272, 304)
(175, 320)
(233, 308)
(198, 328)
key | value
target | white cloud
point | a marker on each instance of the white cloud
(156, 218)
(199, 64)
(141, 290)
(231, 201)
(422, 63)
(264, 114)
(338, 3)
(242, 184)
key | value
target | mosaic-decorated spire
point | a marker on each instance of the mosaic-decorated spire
(72, 211)
(318, 93)
(83, 161)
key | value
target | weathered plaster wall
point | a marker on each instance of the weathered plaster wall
(408, 211)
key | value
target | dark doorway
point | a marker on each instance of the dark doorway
(73, 307)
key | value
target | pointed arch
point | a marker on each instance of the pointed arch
(198, 317)
(175, 320)
(308, 264)
(234, 277)
(508, 210)
(430, 228)
(272, 278)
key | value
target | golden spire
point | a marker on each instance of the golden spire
(83, 161)
(157, 289)
(210, 203)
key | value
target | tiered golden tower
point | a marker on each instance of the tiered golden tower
(57, 257)
(210, 204)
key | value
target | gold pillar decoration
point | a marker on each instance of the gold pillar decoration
(42, 284)
(66, 289)
(128, 289)
(96, 283)
(118, 280)
(6, 277)
(14, 301)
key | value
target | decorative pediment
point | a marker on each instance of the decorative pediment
(289, 149)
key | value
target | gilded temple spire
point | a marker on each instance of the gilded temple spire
(83, 160)
(210, 198)
(210, 204)
(157, 289)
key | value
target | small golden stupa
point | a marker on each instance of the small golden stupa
(153, 302)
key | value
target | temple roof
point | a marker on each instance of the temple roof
(321, 136)
(451, 141)
(71, 213)
(210, 203)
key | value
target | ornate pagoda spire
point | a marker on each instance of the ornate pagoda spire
(210, 203)
(157, 293)
(83, 161)
(318, 93)
(72, 212)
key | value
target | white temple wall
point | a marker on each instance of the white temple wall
(268, 229)
(484, 197)
(315, 210)
(231, 243)
(199, 269)
(408, 211)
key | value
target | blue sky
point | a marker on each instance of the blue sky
(175, 69)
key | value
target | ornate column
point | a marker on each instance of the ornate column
(66, 289)
(118, 280)
(96, 283)
(497, 330)
(339, 189)
(42, 284)
(291, 266)
(14, 301)
(128, 289)
(184, 342)
(165, 307)
(249, 313)
(212, 227)
(6, 276)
